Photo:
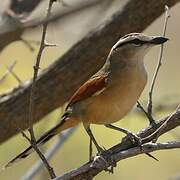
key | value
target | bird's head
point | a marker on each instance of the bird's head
(137, 44)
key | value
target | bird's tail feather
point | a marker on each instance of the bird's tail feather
(64, 124)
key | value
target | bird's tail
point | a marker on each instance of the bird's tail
(64, 124)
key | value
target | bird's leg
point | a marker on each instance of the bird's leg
(102, 154)
(90, 149)
(88, 130)
(133, 137)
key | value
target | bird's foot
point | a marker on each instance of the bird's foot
(135, 139)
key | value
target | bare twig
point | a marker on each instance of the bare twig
(9, 69)
(12, 28)
(39, 164)
(165, 107)
(32, 96)
(24, 135)
(142, 109)
(149, 107)
(42, 157)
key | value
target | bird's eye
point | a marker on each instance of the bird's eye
(137, 42)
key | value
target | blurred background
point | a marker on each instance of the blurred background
(64, 35)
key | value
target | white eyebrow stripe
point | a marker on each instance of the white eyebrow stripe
(130, 41)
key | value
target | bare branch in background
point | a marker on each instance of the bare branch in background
(160, 106)
(11, 27)
(9, 69)
(57, 145)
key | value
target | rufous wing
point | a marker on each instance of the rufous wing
(89, 88)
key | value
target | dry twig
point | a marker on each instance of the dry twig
(149, 107)
(125, 149)
(32, 96)
(9, 69)
(39, 164)
(149, 112)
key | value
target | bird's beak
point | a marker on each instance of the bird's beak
(158, 40)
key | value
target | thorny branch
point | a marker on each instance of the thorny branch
(39, 164)
(126, 149)
(32, 96)
(149, 107)
(148, 113)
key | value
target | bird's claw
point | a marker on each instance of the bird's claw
(136, 140)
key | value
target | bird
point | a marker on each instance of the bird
(110, 93)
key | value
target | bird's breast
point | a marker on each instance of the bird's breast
(115, 101)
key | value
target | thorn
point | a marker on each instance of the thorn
(49, 45)
(151, 156)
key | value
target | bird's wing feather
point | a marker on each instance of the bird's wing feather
(89, 88)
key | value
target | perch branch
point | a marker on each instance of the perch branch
(125, 149)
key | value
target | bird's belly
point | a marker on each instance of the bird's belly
(106, 113)
(110, 107)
